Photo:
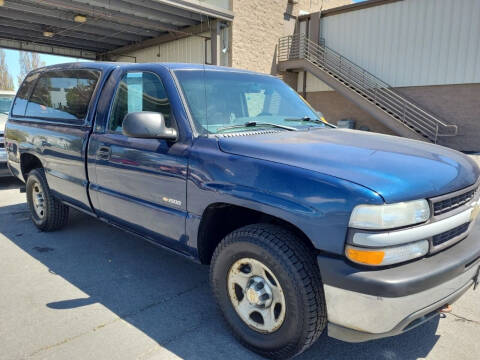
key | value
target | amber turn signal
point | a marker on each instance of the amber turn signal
(367, 257)
(388, 255)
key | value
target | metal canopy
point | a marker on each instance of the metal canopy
(93, 28)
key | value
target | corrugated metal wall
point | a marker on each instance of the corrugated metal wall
(189, 50)
(411, 42)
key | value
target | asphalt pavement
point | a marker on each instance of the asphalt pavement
(91, 291)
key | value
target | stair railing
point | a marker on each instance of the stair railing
(373, 89)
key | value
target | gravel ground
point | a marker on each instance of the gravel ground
(91, 291)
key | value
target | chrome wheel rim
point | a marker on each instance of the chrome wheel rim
(256, 295)
(38, 199)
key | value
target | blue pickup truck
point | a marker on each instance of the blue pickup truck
(306, 227)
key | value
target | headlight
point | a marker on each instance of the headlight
(389, 216)
(387, 256)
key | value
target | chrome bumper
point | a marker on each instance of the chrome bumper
(365, 304)
(355, 317)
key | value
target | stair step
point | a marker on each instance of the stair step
(320, 64)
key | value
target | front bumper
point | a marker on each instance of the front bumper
(365, 304)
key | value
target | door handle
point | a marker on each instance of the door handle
(103, 153)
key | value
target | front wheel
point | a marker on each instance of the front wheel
(268, 287)
(47, 213)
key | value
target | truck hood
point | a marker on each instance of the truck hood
(398, 169)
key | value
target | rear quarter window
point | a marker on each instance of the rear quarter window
(62, 95)
(21, 100)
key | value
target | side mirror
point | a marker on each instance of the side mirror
(147, 125)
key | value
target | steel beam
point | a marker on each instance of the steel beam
(105, 12)
(46, 49)
(12, 33)
(57, 15)
(50, 43)
(137, 9)
(48, 21)
(190, 31)
(200, 8)
(64, 33)
(155, 5)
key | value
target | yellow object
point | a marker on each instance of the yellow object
(80, 19)
(475, 212)
(367, 257)
(47, 33)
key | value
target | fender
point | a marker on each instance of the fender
(301, 197)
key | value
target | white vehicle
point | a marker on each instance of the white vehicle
(6, 98)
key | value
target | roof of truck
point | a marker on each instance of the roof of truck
(172, 66)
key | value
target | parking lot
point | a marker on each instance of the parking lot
(91, 291)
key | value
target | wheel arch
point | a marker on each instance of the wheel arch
(221, 218)
(28, 162)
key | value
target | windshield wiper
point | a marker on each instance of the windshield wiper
(254, 124)
(309, 119)
(306, 119)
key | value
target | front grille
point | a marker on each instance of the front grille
(443, 206)
(450, 234)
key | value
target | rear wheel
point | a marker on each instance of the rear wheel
(268, 287)
(47, 213)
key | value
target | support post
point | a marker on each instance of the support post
(216, 44)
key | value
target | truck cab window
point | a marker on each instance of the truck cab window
(139, 91)
(62, 95)
(219, 99)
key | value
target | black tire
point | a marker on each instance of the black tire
(294, 265)
(55, 214)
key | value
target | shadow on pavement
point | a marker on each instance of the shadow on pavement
(165, 296)
(10, 183)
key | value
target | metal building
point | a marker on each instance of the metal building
(407, 67)
(410, 42)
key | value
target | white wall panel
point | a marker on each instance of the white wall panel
(225, 4)
(189, 50)
(313, 83)
(411, 42)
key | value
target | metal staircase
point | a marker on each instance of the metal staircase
(369, 92)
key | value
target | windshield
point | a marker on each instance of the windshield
(5, 103)
(224, 101)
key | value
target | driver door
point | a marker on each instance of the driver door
(140, 183)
